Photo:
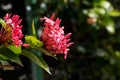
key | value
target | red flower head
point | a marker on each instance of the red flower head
(11, 33)
(54, 38)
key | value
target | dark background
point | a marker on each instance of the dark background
(95, 54)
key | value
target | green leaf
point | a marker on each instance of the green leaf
(114, 13)
(37, 59)
(2, 22)
(110, 29)
(91, 13)
(100, 11)
(15, 49)
(117, 53)
(103, 4)
(109, 24)
(33, 29)
(77, 3)
(46, 52)
(3, 57)
(10, 55)
(33, 42)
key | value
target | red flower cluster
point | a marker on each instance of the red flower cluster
(11, 33)
(54, 38)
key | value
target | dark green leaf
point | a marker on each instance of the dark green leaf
(10, 55)
(37, 59)
(47, 52)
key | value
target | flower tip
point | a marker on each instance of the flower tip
(65, 56)
(42, 18)
(26, 45)
(7, 14)
(69, 44)
(52, 17)
(68, 35)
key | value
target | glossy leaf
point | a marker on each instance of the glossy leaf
(37, 59)
(10, 55)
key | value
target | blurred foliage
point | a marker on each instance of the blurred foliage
(95, 27)
(96, 32)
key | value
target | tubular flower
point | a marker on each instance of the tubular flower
(54, 38)
(11, 33)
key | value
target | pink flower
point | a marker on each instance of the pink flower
(11, 33)
(54, 38)
(26, 45)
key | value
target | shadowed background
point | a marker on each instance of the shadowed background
(95, 28)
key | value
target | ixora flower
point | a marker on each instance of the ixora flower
(54, 38)
(11, 33)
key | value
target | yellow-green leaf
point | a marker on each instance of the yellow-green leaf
(114, 13)
(33, 42)
(15, 49)
(33, 29)
(2, 22)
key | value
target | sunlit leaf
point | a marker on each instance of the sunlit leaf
(91, 13)
(2, 22)
(110, 29)
(10, 55)
(37, 59)
(100, 11)
(103, 3)
(33, 42)
(117, 53)
(110, 26)
(15, 49)
(114, 13)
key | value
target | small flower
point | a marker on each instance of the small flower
(11, 33)
(54, 38)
